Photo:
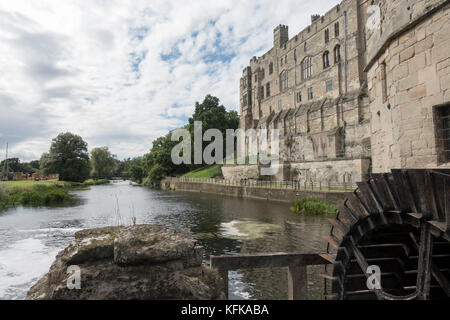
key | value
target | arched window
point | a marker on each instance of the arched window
(307, 68)
(337, 54)
(284, 80)
(271, 68)
(326, 59)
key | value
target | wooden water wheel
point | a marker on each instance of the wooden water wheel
(400, 223)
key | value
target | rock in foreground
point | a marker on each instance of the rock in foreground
(143, 262)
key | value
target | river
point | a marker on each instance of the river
(30, 238)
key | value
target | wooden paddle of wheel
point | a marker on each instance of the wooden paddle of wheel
(400, 223)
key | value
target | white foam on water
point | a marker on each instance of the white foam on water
(22, 263)
(229, 229)
(47, 230)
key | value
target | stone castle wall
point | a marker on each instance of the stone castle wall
(378, 105)
(333, 122)
(409, 83)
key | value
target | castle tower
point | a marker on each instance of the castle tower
(280, 36)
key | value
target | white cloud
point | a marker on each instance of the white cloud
(122, 73)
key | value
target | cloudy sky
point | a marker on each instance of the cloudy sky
(121, 73)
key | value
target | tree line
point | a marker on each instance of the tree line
(68, 155)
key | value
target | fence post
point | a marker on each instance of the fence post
(297, 283)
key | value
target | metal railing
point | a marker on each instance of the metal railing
(306, 184)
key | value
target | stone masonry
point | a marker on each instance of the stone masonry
(350, 96)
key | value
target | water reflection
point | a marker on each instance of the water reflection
(31, 237)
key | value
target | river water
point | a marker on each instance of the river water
(30, 238)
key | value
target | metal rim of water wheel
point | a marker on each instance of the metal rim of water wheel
(399, 222)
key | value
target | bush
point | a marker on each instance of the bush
(312, 206)
(37, 195)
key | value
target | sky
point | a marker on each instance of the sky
(122, 73)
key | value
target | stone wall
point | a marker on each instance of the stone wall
(408, 81)
(284, 195)
(236, 173)
(333, 124)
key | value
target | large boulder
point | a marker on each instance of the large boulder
(141, 262)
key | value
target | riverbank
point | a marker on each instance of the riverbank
(254, 192)
(40, 193)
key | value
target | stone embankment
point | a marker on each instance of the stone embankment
(254, 192)
(142, 262)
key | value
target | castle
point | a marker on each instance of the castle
(364, 88)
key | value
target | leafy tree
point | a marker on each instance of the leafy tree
(156, 174)
(103, 162)
(136, 170)
(68, 156)
(14, 165)
(161, 154)
(213, 115)
(35, 164)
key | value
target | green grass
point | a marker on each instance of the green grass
(33, 193)
(205, 172)
(40, 193)
(312, 206)
(86, 184)
(28, 184)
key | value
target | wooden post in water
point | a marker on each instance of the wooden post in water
(297, 282)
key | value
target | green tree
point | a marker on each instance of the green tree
(102, 162)
(14, 165)
(136, 170)
(68, 156)
(213, 115)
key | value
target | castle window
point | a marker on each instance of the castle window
(284, 80)
(261, 92)
(299, 97)
(285, 59)
(305, 47)
(271, 68)
(245, 100)
(383, 81)
(336, 29)
(280, 105)
(267, 90)
(326, 59)
(337, 54)
(295, 55)
(256, 78)
(327, 35)
(244, 83)
(310, 94)
(307, 68)
(262, 74)
(329, 86)
(442, 116)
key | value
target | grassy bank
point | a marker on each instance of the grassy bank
(33, 193)
(86, 185)
(205, 172)
(312, 206)
(40, 193)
